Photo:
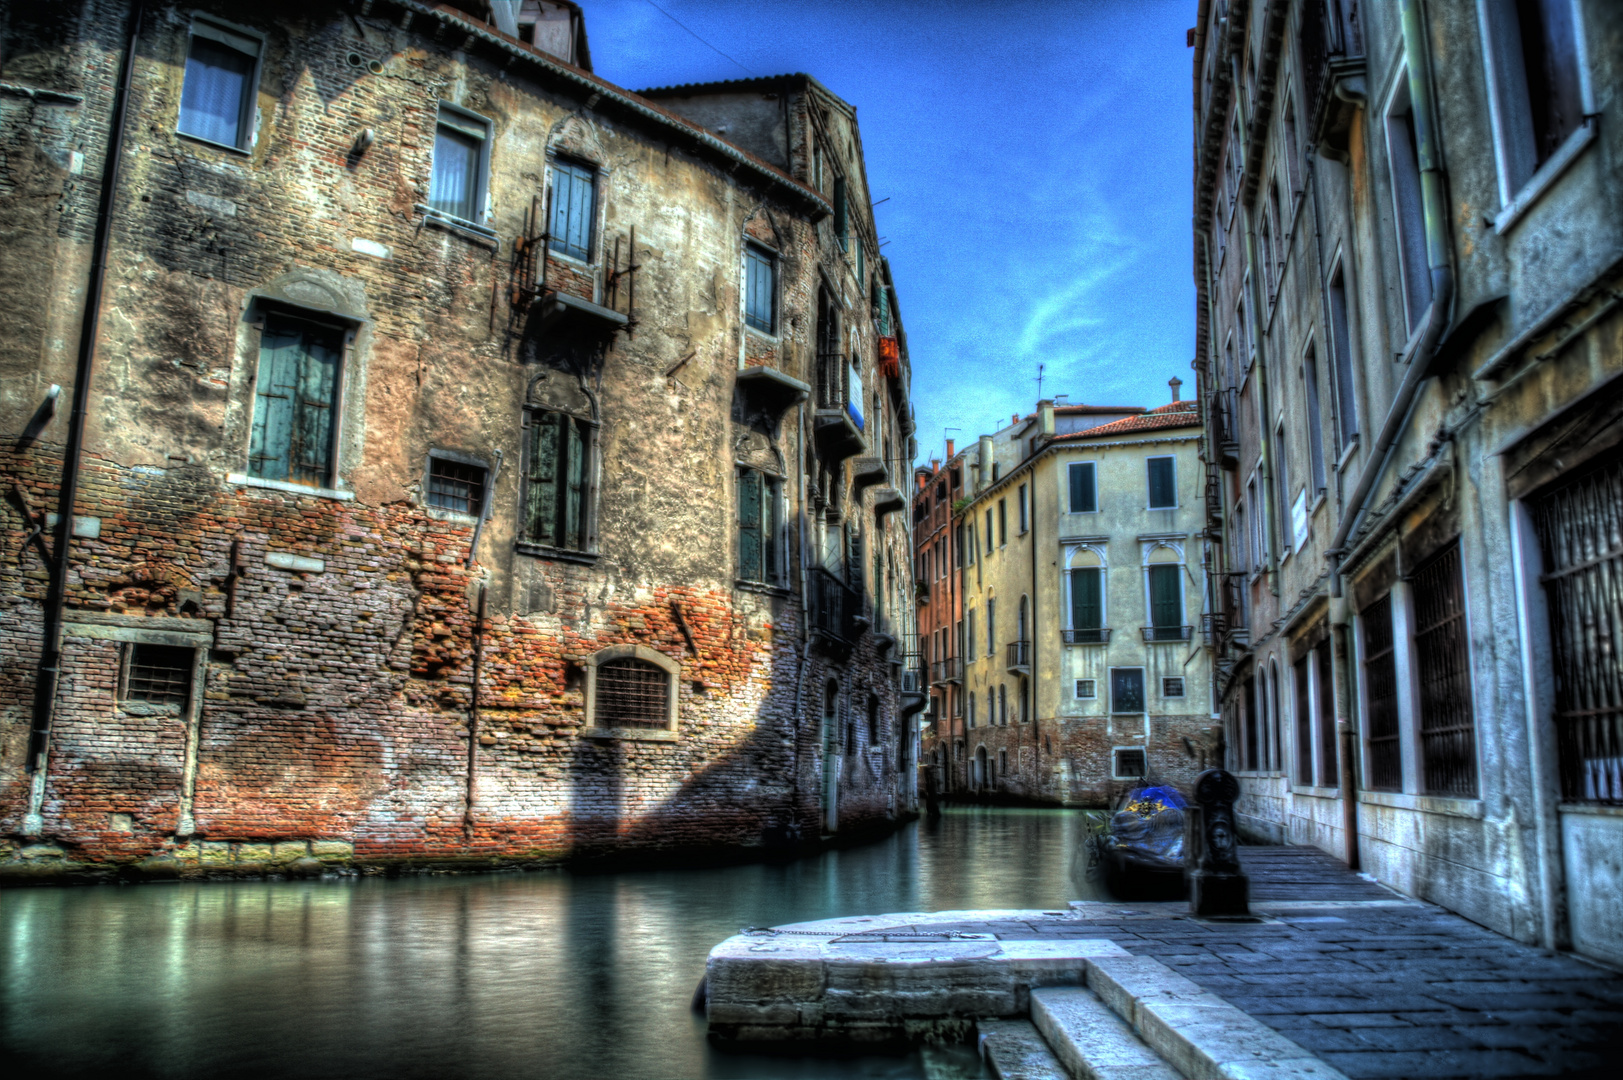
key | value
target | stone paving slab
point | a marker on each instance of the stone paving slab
(1016, 1051)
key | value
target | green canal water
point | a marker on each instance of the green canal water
(551, 975)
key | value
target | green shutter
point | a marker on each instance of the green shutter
(1166, 598)
(749, 525)
(841, 224)
(1163, 490)
(271, 442)
(574, 506)
(313, 416)
(295, 397)
(545, 441)
(1087, 608)
(1084, 494)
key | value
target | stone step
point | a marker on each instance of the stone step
(1015, 1050)
(1091, 1040)
(1199, 1033)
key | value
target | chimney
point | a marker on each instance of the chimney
(1045, 414)
(949, 449)
(935, 465)
(983, 475)
(1016, 419)
(1174, 382)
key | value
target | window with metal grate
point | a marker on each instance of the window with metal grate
(1447, 720)
(454, 485)
(1381, 697)
(632, 693)
(159, 675)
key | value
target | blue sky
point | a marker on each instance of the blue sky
(1036, 158)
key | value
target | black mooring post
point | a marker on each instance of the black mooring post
(1217, 885)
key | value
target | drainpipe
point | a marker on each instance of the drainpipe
(1418, 359)
(50, 660)
(1265, 435)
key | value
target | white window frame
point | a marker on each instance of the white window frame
(1143, 683)
(232, 36)
(1115, 758)
(1507, 105)
(1100, 552)
(773, 261)
(1408, 211)
(1149, 548)
(1093, 687)
(1183, 686)
(1065, 486)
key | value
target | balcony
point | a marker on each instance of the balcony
(834, 608)
(1095, 635)
(1222, 411)
(838, 422)
(950, 670)
(1154, 634)
(1212, 627)
(1018, 656)
(1231, 595)
(912, 674)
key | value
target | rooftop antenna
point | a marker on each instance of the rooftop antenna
(1040, 368)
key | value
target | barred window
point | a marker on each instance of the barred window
(1447, 720)
(1085, 688)
(632, 693)
(455, 485)
(158, 675)
(1172, 686)
(1128, 764)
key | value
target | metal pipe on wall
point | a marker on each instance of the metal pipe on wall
(50, 662)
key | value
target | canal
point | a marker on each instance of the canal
(552, 975)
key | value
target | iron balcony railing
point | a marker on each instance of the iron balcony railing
(1211, 629)
(1168, 633)
(1095, 635)
(835, 606)
(1019, 656)
(912, 674)
(831, 389)
(946, 671)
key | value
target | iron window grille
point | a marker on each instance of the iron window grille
(632, 693)
(1578, 526)
(1086, 688)
(1329, 757)
(158, 675)
(1447, 721)
(221, 81)
(295, 401)
(456, 485)
(1381, 697)
(1097, 635)
(1172, 686)
(1128, 764)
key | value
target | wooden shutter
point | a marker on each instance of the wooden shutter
(294, 400)
(1084, 497)
(270, 444)
(575, 497)
(1087, 609)
(749, 525)
(841, 217)
(1163, 491)
(1166, 598)
(313, 412)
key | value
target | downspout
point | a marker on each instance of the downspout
(1265, 432)
(50, 660)
(1418, 59)
(473, 716)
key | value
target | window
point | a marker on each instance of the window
(1537, 86)
(991, 627)
(1289, 147)
(1127, 690)
(1248, 746)
(1084, 488)
(972, 708)
(1022, 504)
(758, 526)
(1085, 689)
(1163, 483)
(1304, 723)
(1329, 775)
(1443, 662)
(456, 485)
(1025, 701)
(296, 401)
(1315, 430)
(996, 469)
(760, 289)
(158, 675)
(989, 531)
(842, 224)
(873, 721)
(558, 481)
(958, 546)
(1002, 522)
(1283, 485)
(969, 649)
(1385, 756)
(1166, 602)
(456, 185)
(1403, 155)
(1003, 762)
(631, 690)
(1087, 603)
(217, 97)
(574, 209)
(1172, 686)
(1003, 705)
(1341, 344)
(1127, 763)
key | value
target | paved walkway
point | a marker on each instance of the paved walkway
(1376, 985)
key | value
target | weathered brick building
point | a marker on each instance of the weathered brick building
(463, 460)
(1409, 255)
(938, 498)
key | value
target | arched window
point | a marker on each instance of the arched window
(631, 692)
(1276, 754)
(1085, 586)
(1003, 704)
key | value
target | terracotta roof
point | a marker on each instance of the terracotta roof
(1095, 410)
(1176, 415)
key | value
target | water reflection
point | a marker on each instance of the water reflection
(549, 975)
